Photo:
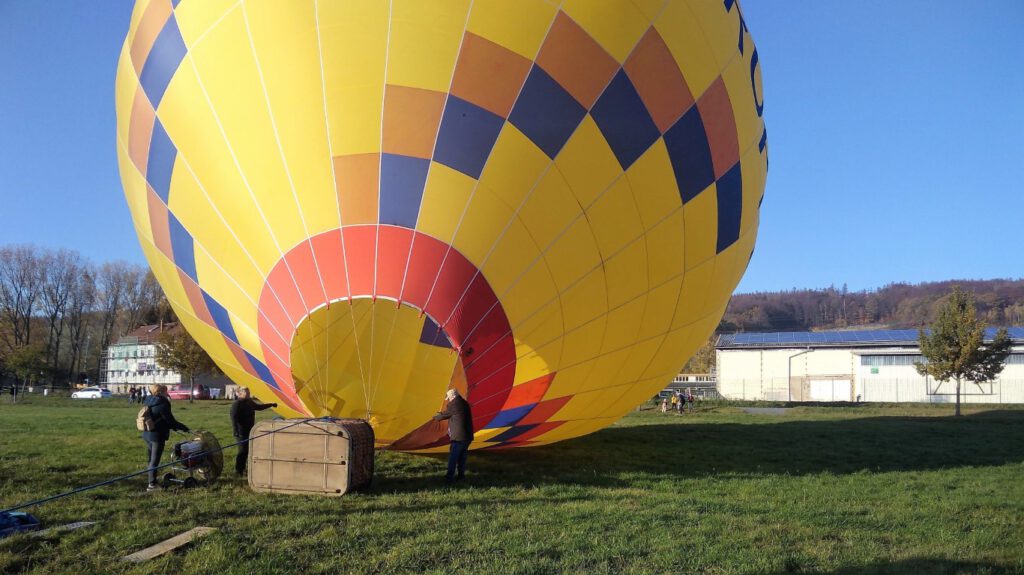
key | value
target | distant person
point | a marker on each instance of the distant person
(664, 405)
(133, 394)
(243, 418)
(680, 402)
(162, 423)
(460, 432)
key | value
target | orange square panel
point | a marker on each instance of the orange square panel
(489, 75)
(356, 177)
(656, 77)
(716, 113)
(576, 61)
(411, 117)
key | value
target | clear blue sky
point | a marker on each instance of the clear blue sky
(896, 134)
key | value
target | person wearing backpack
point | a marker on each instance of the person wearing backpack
(156, 422)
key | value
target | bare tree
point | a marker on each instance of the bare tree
(21, 282)
(142, 297)
(60, 272)
(81, 300)
(111, 281)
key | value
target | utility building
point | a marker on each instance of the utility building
(849, 366)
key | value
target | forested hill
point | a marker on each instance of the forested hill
(898, 305)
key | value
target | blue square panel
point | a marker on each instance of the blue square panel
(510, 416)
(432, 334)
(402, 179)
(546, 113)
(730, 207)
(220, 317)
(263, 371)
(161, 161)
(624, 120)
(168, 51)
(688, 150)
(510, 434)
(466, 136)
(182, 247)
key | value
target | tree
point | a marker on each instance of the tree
(21, 284)
(956, 349)
(79, 309)
(25, 362)
(142, 298)
(703, 360)
(177, 351)
(61, 270)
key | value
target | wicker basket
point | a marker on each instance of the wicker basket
(317, 457)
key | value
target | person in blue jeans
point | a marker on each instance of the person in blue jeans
(460, 432)
(163, 420)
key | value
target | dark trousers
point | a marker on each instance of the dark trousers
(243, 455)
(458, 452)
(155, 451)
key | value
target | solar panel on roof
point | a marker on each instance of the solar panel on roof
(887, 336)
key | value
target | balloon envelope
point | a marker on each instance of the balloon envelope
(353, 206)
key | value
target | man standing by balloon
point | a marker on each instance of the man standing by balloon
(460, 432)
(243, 418)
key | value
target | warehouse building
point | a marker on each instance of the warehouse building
(873, 366)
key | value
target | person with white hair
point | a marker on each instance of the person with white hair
(460, 433)
(243, 418)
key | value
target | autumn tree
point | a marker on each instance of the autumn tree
(703, 360)
(177, 351)
(955, 347)
(25, 362)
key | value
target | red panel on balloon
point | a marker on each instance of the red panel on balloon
(331, 259)
(530, 392)
(281, 282)
(539, 430)
(392, 256)
(456, 273)
(423, 265)
(307, 276)
(545, 410)
(360, 253)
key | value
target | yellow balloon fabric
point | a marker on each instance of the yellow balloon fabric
(354, 206)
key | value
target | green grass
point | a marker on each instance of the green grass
(844, 490)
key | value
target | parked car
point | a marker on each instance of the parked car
(181, 392)
(90, 393)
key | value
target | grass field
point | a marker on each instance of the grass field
(844, 490)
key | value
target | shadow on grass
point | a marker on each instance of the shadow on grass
(916, 565)
(621, 456)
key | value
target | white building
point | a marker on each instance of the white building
(131, 362)
(849, 366)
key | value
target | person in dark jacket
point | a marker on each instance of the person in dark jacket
(460, 432)
(160, 409)
(243, 417)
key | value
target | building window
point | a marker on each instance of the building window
(886, 360)
(1015, 359)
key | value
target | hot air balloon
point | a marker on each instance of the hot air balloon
(356, 205)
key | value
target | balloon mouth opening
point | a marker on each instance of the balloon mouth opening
(377, 359)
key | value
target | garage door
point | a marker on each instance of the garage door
(830, 390)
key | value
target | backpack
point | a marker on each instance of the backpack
(144, 421)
